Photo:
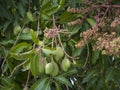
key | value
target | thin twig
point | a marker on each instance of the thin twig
(27, 78)
(66, 32)
(54, 21)
(55, 41)
(87, 56)
(104, 15)
(38, 29)
(18, 67)
(38, 25)
(52, 44)
(107, 6)
(29, 5)
(63, 47)
(12, 47)
(67, 87)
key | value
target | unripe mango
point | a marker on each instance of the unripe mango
(56, 69)
(49, 68)
(58, 53)
(65, 64)
(42, 65)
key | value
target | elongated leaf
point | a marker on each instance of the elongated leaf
(7, 42)
(46, 6)
(19, 47)
(48, 87)
(9, 63)
(78, 52)
(5, 13)
(6, 81)
(48, 51)
(70, 72)
(34, 36)
(45, 16)
(95, 56)
(39, 85)
(66, 17)
(75, 30)
(23, 56)
(21, 9)
(6, 25)
(8, 84)
(52, 11)
(17, 29)
(63, 80)
(58, 86)
(91, 21)
(30, 16)
(26, 36)
(88, 76)
(7, 87)
(61, 3)
(34, 64)
(109, 74)
(26, 66)
(116, 79)
(26, 30)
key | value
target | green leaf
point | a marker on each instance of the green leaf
(95, 56)
(47, 10)
(70, 72)
(63, 80)
(26, 30)
(30, 16)
(66, 17)
(48, 51)
(39, 85)
(78, 52)
(6, 25)
(102, 85)
(89, 75)
(58, 86)
(34, 64)
(75, 30)
(52, 11)
(26, 66)
(45, 16)
(34, 36)
(8, 84)
(19, 47)
(5, 13)
(61, 3)
(7, 87)
(26, 36)
(6, 81)
(46, 6)
(17, 29)
(9, 63)
(21, 9)
(109, 74)
(48, 87)
(7, 42)
(23, 56)
(91, 21)
(116, 78)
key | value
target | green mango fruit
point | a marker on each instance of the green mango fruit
(55, 70)
(42, 64)
(58, 53)
(65, 64)
(49, 68)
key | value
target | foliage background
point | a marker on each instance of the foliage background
(22, 25)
